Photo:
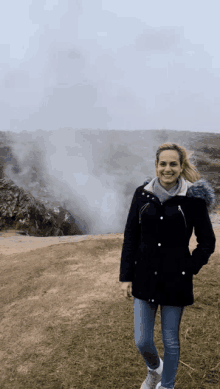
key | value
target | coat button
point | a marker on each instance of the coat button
(183, 272)
(152, 300)
(152, 198)
(143, 193)
(148, 195)
(155, 272)
(135, 262)
(159, 244)
(161, 217)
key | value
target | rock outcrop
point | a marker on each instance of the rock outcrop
(20, 210)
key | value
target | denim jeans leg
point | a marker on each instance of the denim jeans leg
(170, 323)
(144, 319)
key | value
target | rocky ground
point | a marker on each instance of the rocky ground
(19, 209)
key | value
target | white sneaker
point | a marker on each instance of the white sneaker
(159, 386)
(153, 378)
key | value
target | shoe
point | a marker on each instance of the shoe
(159, 386)
(153, 378)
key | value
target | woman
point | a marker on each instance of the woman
(156, 258)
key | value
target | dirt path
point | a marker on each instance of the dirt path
(13, 243)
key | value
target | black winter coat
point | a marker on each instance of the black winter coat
(155, 254)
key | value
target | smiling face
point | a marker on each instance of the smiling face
(168, 169)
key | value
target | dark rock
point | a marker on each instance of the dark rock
(20, 210)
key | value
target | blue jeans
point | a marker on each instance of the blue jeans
(144, 319)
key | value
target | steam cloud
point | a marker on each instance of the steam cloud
(91, 174)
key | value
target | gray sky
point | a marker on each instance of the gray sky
(110, 64)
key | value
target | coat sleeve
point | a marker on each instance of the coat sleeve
(130, 244)
(205, 238)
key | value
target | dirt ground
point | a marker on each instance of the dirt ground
(50, 287)
(14, 243)
(104, 272)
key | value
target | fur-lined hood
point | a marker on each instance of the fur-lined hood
(200, 189)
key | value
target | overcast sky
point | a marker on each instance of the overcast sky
(110, 64)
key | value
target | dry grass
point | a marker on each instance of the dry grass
(65, 323)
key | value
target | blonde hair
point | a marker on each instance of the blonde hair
(189, 172)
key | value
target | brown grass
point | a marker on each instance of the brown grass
(65, 323)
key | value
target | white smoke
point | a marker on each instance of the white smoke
(91, 174)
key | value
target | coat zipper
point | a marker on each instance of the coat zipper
(140, 212)
(180, 209)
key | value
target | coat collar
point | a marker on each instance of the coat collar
(184, 186)
(199, 189)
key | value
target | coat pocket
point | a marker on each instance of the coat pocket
(142, 210)
(180, 209)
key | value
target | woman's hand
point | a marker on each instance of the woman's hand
(126, 289)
